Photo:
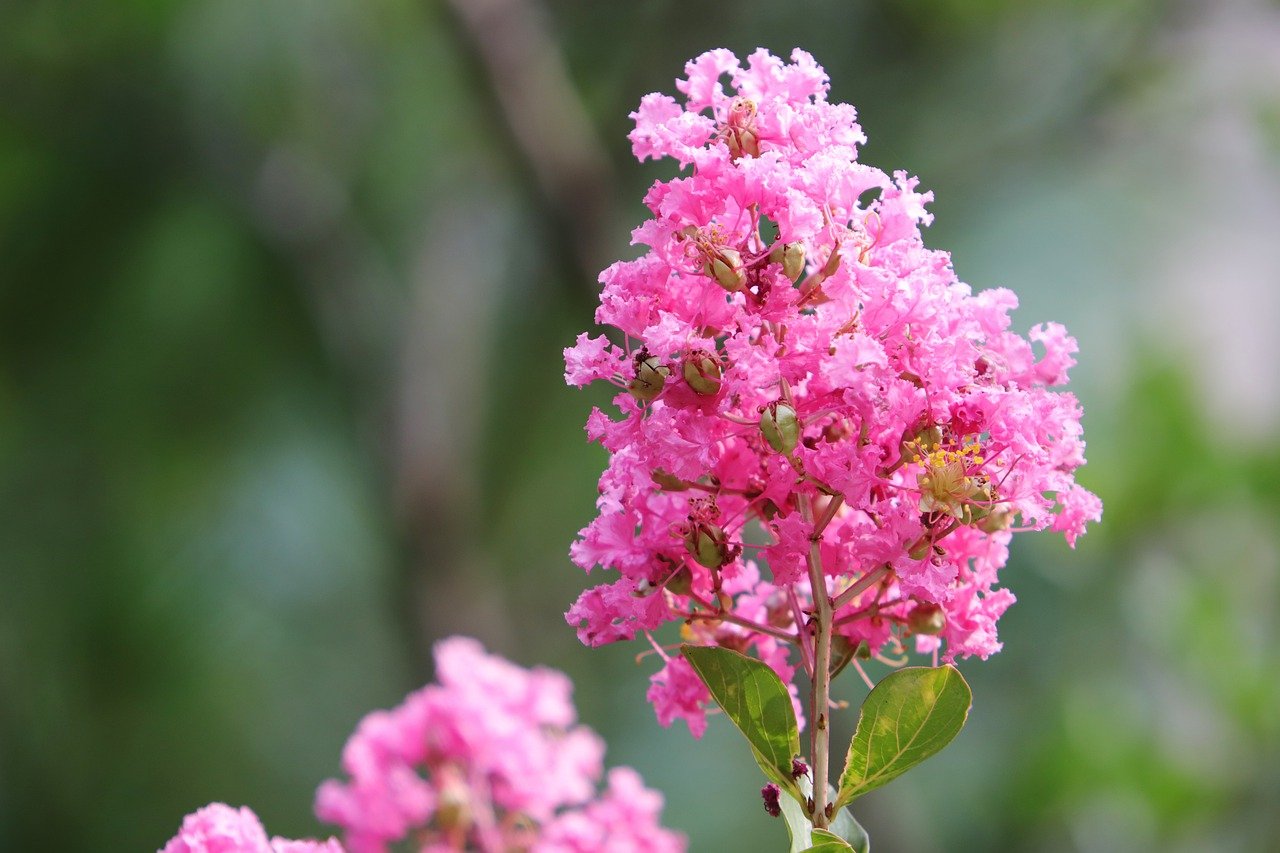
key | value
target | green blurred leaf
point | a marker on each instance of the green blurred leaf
(845, 827)
(826, 842)
(843, 824)
(752, 695)
(910, 715)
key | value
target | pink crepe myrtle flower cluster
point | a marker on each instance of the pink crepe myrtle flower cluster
(802, 382)
(219, 828)
(488, 759)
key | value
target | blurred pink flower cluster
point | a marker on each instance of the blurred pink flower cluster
(801, 382)
(489, 759)
(219, 828)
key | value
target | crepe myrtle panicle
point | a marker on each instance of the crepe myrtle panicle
(489, 758)
(809, 400)
(219, 828)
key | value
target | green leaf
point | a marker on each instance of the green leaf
(843, 826)
(910, 715)
(752, 695)
(798, 826)
(826, 842)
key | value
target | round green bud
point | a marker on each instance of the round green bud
(651, 375)
(780, 427)
(926, 619)
(668, 482)
(921, 549)
(996, 519)
(702, 371)
(791, 256)
(707, 544)
(725, 266)
(681, 580)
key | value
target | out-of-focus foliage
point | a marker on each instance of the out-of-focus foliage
(282, 299)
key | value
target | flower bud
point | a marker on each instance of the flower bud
(743, 141)
(453, 808)
(651, 375)
(926, 619)
(770, 794)
(702, 371)
(832, 264)
(924, 439)
(740, 131)
(668, 482)
(791, 256)
(920, 549)
(780, 427)
(707, 544)
(681, 580)
(725, 266)
(999, 518)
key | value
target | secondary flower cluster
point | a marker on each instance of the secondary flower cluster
(489, 759)
(804, 386)
(219, 828)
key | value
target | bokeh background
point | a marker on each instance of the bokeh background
(283, 290)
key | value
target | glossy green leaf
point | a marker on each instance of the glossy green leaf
(910, 715)
(843, 825)
(827, 842)
(752, 695)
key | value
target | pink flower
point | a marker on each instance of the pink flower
(677, 693)
(219, 828)
(801, 380)
(490, 757)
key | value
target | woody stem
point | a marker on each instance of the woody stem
(820, 694)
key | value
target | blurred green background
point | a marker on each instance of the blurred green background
(283, 290)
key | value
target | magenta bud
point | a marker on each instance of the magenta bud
(769, 793)
(798, 768)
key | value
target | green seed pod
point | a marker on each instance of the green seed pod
(926, 619)
(780, 427)
(921, 549)
(707, 544)
(702, 371)
(651, 375)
